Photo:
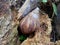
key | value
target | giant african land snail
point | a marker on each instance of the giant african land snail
(30, 23)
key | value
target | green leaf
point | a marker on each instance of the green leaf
(44, 1)
(54, 8)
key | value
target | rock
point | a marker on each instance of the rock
(8, 28)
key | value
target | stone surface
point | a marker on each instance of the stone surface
(8, 28)
(5, 17)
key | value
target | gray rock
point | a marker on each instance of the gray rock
(8, 32)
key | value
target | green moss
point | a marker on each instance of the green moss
(22, 37)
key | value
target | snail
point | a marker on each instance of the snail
(30, 23)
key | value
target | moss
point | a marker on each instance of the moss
(22, 37)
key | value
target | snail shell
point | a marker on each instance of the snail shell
(29, 24)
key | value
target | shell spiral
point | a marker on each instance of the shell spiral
(29, 24)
